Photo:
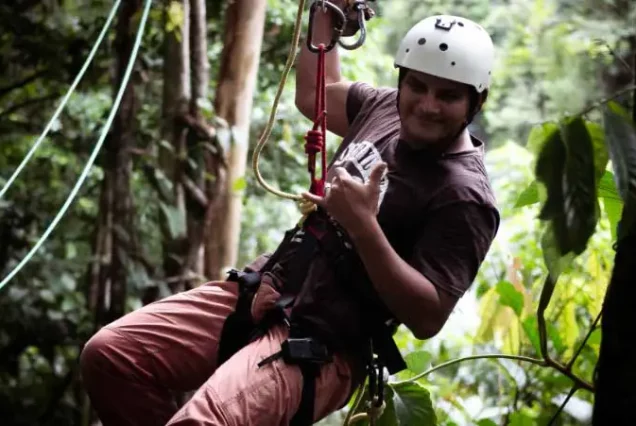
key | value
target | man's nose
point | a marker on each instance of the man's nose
(428, 103)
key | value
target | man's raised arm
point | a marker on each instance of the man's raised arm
(306, 71)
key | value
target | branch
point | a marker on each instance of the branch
(473, 357)
(587, 336)
(195, 191)
(28, 102)
(606, 100)
(544, 300)
(149, 172)
(563, 404)
(21, 83)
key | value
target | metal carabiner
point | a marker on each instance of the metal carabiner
(337, 30)
(359, 6)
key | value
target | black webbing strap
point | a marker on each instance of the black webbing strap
(304, 416)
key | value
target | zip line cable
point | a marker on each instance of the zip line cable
(96, 150)
(57, 113)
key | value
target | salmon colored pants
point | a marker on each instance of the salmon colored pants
(131, 367)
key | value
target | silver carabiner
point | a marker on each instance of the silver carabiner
(359, 6)
(337, 30)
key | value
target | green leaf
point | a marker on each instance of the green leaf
(601, 156)
(389, 416)
(418, 362)
(555, 338)
(549, 171)
(486, 422)
(239, 184)
(531, 328)
(621, 140)
(529, 196)
(520, 418)
(607, 187)
(579, 186)
(555, 263)
(566, 167)
(539, 135)
(413, 404)
(510, 296)
(613, 210)
(175, 220)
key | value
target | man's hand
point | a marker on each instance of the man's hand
(351, 203)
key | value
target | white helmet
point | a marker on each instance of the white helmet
(449, 47)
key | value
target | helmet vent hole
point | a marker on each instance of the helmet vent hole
(421, 41)
(453, 63)
(443, 47)
(461, 24)
(408, 50)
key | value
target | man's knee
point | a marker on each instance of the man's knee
(103, 353)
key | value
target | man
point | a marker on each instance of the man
(408, 195)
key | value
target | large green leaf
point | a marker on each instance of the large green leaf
(566, 168)
(607, 187)
(413, 405)
(510, 296)
(621, 141)
(529, 196)
(601, 155)
(419, 361)
(579, 187)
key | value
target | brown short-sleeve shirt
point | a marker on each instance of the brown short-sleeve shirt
(438, 212)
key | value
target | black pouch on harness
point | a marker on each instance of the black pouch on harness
(238, 329)
(239, 325)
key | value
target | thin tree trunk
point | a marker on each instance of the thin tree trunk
(199, 78)
(615, 396)
(240, 59)
(176, 97)
(120, 162)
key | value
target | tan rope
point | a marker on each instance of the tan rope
(270, 123)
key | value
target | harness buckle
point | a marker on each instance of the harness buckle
(305, 350)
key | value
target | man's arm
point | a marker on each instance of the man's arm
(422, 293)
(337, 89)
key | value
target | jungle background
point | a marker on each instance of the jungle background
(171, 201)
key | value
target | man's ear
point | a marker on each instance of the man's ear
(482, 98)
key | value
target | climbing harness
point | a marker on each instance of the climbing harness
(304, 347)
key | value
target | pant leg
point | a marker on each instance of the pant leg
(239, 393)
(131, 367)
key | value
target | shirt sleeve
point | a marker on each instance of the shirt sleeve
(453, 244)
(359, 93)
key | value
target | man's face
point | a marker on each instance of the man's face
(432, 109)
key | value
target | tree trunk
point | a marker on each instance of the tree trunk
(615, 393)
(114, 233)
(615, 397)
(120, 165)
(245, 20)
(176, 96)
(197, 199)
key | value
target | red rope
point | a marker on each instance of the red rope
(316, 137)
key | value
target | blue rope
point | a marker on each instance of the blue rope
(79, 77)
(91, 160)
